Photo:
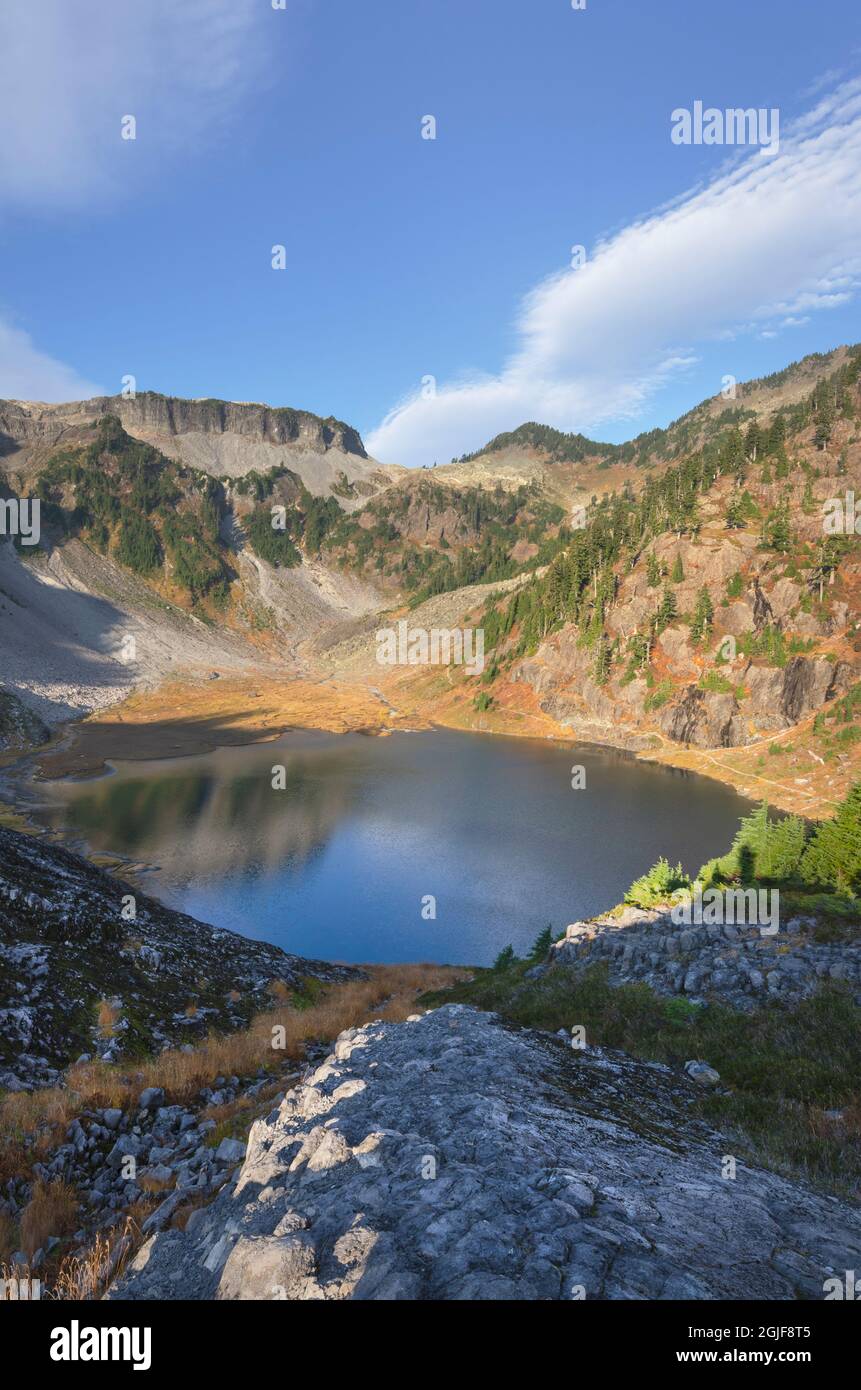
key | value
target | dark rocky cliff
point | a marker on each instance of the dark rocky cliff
(149, 411)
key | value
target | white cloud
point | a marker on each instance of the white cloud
(69, 72)
(773, 237)
(26, 374)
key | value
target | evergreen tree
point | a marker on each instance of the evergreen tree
(542, 943)
(833, 857)
(666, 609)
(678, 572)
(777, 532)
(653, 571)
(824, 415)
(777, 435)
(764, 849)
(703, 616)
(137, 544)
(752, 441)
(601, 669)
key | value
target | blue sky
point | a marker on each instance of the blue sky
(409, 258)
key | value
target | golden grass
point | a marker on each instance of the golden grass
(51, 1211)
(85, 1277)
(107, 1017)
(32, 1122)
(155, 1186)
(193, 716)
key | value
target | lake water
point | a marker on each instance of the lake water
(338, 864)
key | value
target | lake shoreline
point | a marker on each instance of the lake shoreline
(336, 855)
(187, 715)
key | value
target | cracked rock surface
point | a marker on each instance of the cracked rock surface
(453, 1157)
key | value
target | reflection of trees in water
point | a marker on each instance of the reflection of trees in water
(214, 821)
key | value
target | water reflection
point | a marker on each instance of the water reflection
(337, 864)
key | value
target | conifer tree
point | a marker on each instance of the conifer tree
(703, 616)
(833, 857)
(734, 513)
(666, 609)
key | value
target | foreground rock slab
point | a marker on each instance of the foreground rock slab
(452, 1157)
(167, 979)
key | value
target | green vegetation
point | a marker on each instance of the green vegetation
(137, 544)
(274, 546)
(579, 584)
(782, 1069)
(735, 585)
(658, 885)
(784, 851)
(703, 619)
(122, 495)
(716, 683)
(658, 697)
(481, 528)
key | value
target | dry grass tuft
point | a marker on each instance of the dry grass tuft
(33, 1122)
(87, 1276)
(51, 1211)
(107, 1017)
(155, 1186)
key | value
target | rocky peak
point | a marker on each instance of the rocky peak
(25, 422)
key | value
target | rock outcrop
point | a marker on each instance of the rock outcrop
(67, 943)
(149, 411)
(732, 961)
(19, 726)
(452, 1157)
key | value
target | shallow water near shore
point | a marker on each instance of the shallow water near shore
(342, 862)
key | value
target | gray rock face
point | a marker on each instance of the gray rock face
(705, 720)
(24, 421)
(452, 1157)
(19, 726)
(734, 963)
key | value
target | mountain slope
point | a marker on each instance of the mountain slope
(221, 438)
(691, 605)
(67, 943)
(710, 607)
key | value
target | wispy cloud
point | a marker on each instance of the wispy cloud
(775, 237)
(26, 374)
(69, 73)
